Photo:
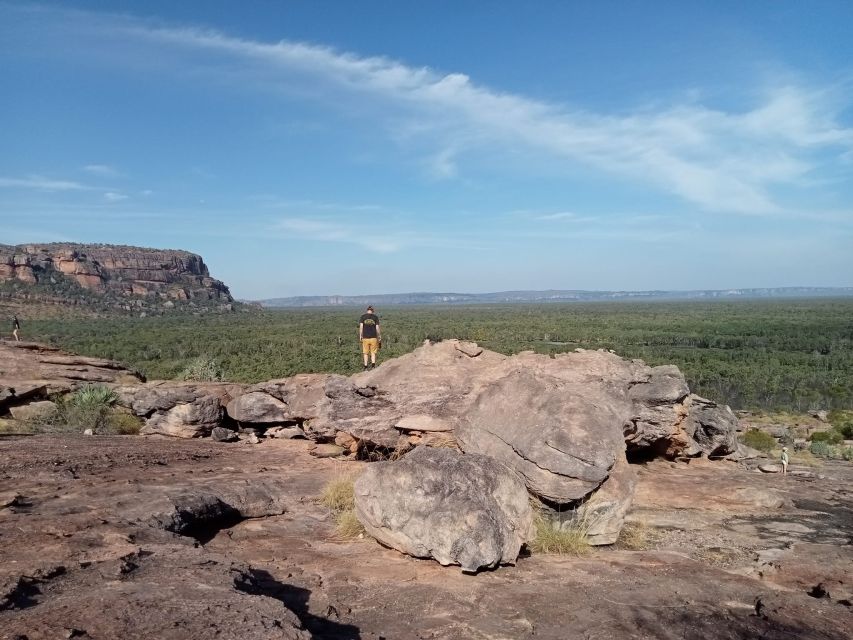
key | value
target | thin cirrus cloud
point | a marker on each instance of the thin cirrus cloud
(334, 231)
(102, 170)
(40, 183)
(737, 161)
(728, 161)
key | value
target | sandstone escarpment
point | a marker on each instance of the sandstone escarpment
(122, 277)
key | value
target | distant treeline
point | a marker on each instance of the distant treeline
(787, 354)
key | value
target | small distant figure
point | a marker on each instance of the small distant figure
(370, 336)
(784, 458)
(16, 326)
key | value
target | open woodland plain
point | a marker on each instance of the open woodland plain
(237, 540)
(794, 355)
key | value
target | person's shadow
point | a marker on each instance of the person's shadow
(259, 582)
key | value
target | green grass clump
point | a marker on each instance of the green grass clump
(759, 440)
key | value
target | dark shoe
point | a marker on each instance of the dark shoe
(365, 368)
(372, 365)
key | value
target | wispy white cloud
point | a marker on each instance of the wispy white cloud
(442, 165)
(40, 183)
(103, 170)
(566, 215)
(332, 231)
(368, 237)
(720, 160)
(277, 202)
(112, 196)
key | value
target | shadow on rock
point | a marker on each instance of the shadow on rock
(766, 622)
(259, 582)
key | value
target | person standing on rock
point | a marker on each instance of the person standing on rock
(784, 461)
(16, 326)
(370, 336)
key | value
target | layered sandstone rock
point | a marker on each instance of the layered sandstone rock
(33, 371)
(115, 272)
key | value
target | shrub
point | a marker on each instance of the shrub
(787, 438)
(847, 453)
(91, 407)
(829, 437)
(846, 430)
(821, 449)
(123, 424)
(759, 440)
(87, 408)
(203, 369)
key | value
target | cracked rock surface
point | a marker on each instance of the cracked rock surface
(86, 551)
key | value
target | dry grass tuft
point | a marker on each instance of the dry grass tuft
(347, 526)
(805, 458)
(338, 494)
(570, 539)
(635, 536)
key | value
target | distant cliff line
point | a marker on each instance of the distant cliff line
(556, 295)
(109, 277)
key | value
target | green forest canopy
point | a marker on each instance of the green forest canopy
(787, 354)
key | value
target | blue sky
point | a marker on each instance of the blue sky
(376, 147)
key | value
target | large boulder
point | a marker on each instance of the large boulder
(469, 510)
(186, 420)
(562, 437)
(38, 410)
(258, 407)
(713, 427)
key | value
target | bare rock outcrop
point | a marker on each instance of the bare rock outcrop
(31, 374)
(28, 369)
(566, 425)
(469, 510)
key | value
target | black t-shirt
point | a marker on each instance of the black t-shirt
(16, 324)
(369, 322)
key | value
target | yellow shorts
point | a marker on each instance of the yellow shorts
(369, 345)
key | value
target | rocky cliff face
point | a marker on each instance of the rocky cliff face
(124, 277)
